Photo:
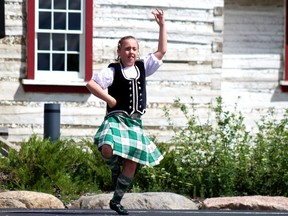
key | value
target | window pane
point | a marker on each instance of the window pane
(58, 42)
(43, 41)
(44, 20)
(75, 4)
(60, 21)
(74, 21)
(58, 62)
(59, 4)
(73, 42)
(73, 62)
(43, 61)
(45, 4)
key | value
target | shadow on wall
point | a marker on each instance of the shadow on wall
(279, 96)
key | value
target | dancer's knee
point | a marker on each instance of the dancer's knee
(106, 151)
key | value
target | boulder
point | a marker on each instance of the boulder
(149, 200)
(29, 199)
(247, 203)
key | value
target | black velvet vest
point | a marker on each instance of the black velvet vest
(130, 94)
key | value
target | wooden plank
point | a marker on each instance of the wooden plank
(13, 9)
(254, 30)
(251, 75)
(177, 51)
(12, 52)
(35, 115)
(260, 87)
(251, 48)
(196, 4)
(206, 34)
(7, 145)
(184, 77)
(252, 61)
(119, 12)
(10, 69)
(269, 16)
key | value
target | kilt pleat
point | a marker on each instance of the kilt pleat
(126, 137)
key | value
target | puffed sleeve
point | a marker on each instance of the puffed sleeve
(151, 64)
(104, 78)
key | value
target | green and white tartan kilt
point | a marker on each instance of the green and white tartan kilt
(125, 136)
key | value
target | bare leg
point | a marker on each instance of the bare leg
(129, 168)
(106, 151)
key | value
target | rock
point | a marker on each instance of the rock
(149, 200)
(28, 199)
(247, 203)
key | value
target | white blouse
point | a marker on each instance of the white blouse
(105, 77)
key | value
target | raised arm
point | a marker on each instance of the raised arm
(162, 42)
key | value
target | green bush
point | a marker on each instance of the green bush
(220, 157)
(63, 168)
(269, 157)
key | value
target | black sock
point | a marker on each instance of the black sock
(123, 183)
(114, 165)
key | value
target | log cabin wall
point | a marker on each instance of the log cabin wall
(215, 48)
(253, 51)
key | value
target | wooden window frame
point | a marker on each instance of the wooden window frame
(284, 82)
(32, 85)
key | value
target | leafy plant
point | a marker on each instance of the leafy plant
(63, 168)
(217, 157)
(220, 157)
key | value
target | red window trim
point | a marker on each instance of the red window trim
(31, 53)
(284, 83)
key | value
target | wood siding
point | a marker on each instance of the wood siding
(247, 35)
(253, 56)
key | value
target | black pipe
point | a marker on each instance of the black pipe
(52, 121)
(2, 19)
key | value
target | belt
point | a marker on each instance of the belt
(135, 116)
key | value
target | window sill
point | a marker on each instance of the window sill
(284, 85)
(55, 87)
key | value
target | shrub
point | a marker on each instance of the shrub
(220, 157)
(63, 168)
(269, 158)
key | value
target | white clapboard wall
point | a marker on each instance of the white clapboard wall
(253, 51)
(216, 48)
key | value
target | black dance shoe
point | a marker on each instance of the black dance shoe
(118, 208)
